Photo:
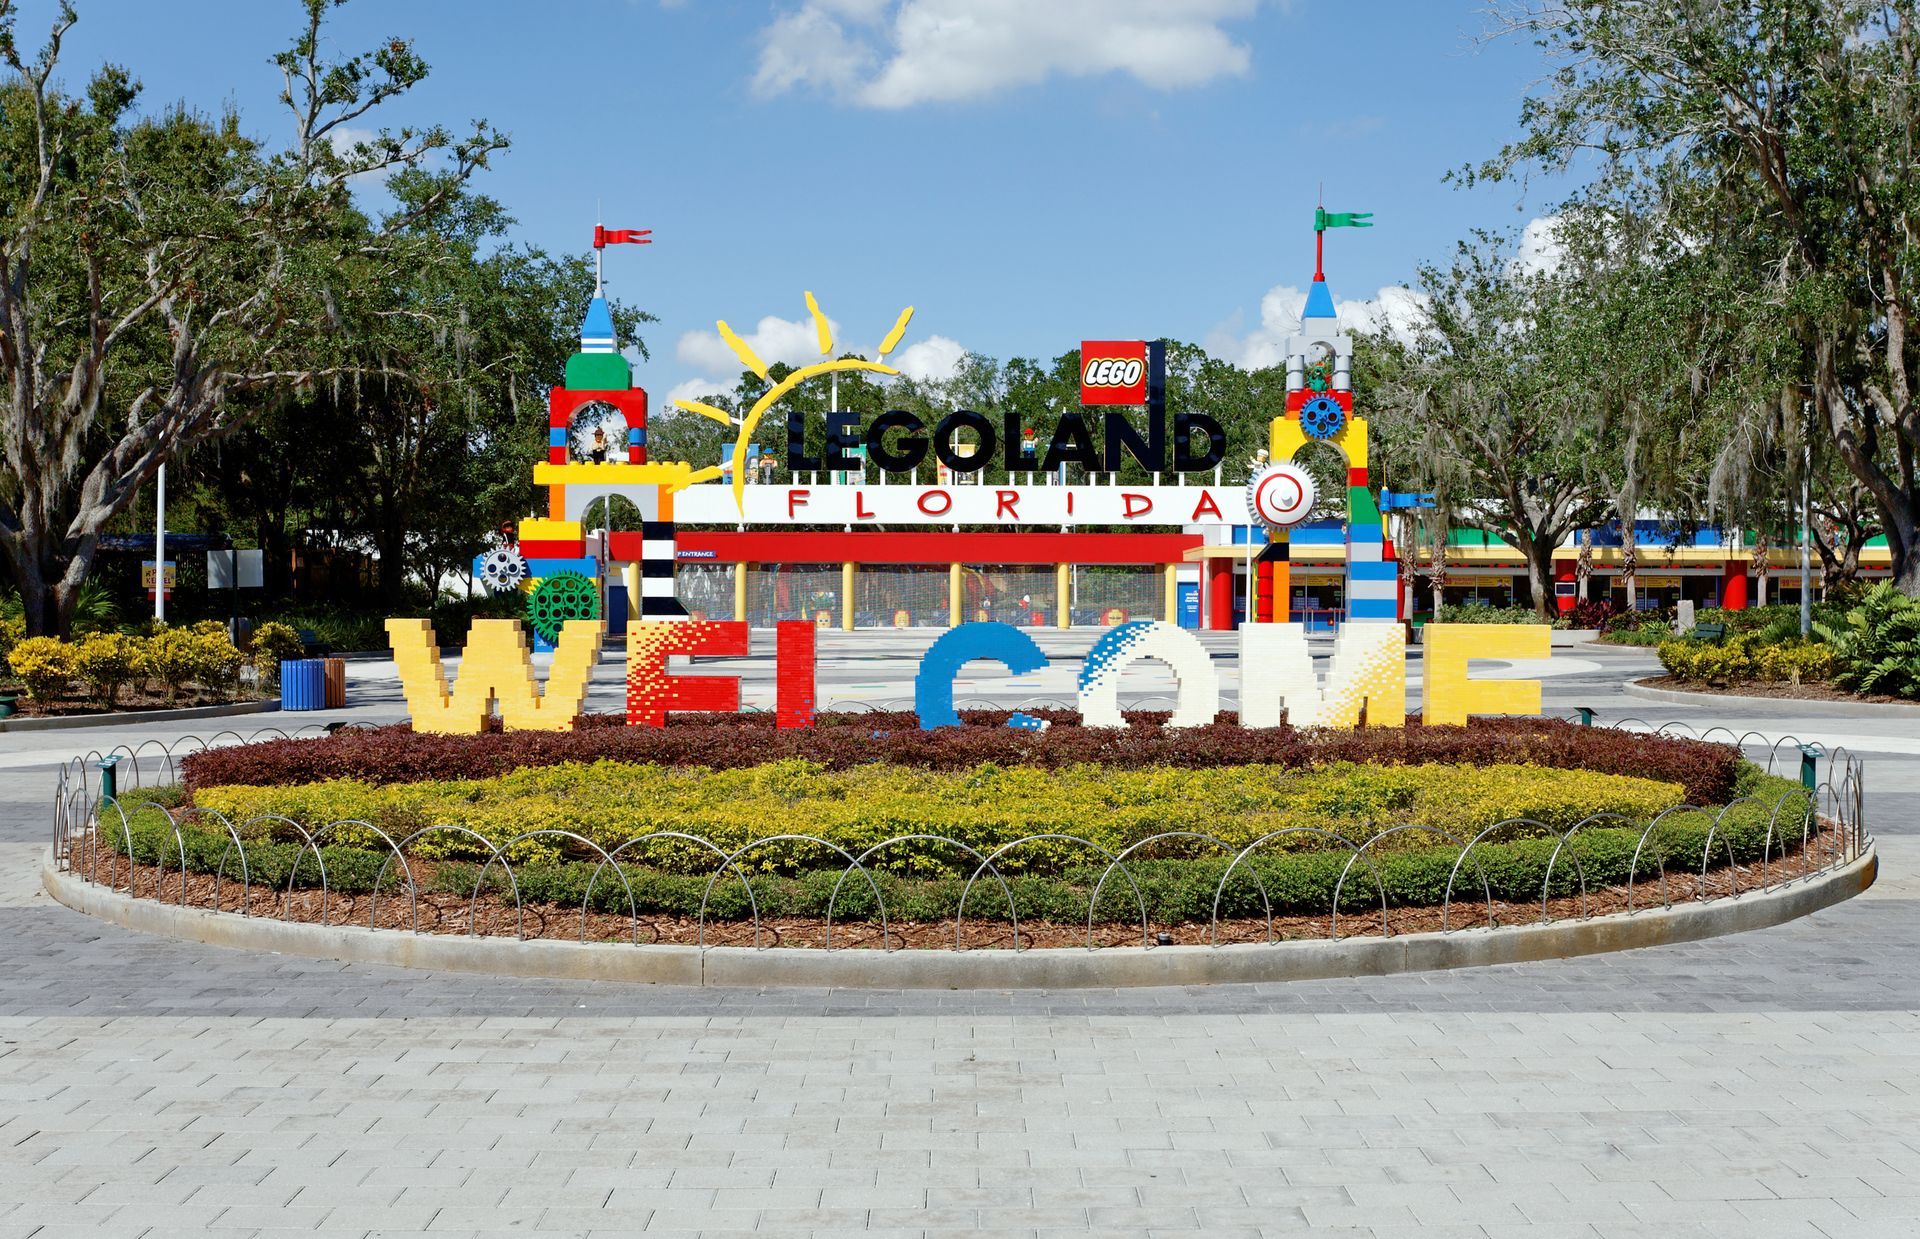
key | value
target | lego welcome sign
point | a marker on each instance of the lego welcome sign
(1366, 678)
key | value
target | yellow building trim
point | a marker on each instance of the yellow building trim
(954, 618)
(1062, 591)
(532, 530)
(846, 596)
(1286, 437)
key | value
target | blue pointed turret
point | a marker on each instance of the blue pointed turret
(598, 366)
(1319, 301)
(596, 330)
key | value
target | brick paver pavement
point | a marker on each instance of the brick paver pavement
(1756, 1086)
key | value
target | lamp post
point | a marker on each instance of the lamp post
(1806, 522)
(160, 546)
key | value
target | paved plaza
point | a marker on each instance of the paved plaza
(1759, 1086)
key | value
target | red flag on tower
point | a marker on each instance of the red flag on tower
(603, 237)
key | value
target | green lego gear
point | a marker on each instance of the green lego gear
(561, 597)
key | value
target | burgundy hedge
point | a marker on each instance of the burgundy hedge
(397, 755)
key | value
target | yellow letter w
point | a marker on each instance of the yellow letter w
(497, 667)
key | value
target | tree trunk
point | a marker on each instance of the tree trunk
(49, 584)
(1539, 552)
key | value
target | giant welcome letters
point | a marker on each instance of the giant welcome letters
(1365, 681)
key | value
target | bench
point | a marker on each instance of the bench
(1709, 632)
(311, 646)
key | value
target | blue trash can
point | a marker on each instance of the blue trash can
(303, 684)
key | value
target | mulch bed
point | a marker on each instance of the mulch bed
(129, 703)
(441, 913)
(1791, 692)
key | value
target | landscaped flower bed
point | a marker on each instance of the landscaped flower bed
(1571, 807)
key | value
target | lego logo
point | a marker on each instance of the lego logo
(1113, 372)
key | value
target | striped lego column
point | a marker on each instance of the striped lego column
(559, 421)
(1373, 579)
(634, 409)
(657, 601)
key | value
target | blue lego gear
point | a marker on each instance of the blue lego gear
(1322, 417)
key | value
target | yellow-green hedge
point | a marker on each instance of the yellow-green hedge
(985, 806)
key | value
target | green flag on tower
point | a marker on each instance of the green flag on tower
(1324, 219)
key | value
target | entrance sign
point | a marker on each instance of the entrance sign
(1276, 673)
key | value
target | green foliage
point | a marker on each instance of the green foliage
(171, 232)
(1775, 136)
(45, 666)
(1458, 613)
(272, 644)
(269, 862)
(984, 806)
(1876, 644)
(1634, 629)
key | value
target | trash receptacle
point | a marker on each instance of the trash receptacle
(303, 684)
(336, 683)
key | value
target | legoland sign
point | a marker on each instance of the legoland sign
(1113, 372)
(1366, 679)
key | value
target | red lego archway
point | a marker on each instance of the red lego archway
(562, 404)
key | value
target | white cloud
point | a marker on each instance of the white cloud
(898, 53)
(932, 360)
(775, 339)
(1541, 250)
(693, 389)
(794, 342)
(1394, 309)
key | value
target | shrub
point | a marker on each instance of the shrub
(1593, 613)
(106, 661)
(173, 657)
(13, 630)
(1794, 662)
(45, 665)
(1741, 659)
(217, 661)
(272, 644)
(1466, 613)
(1634, 630)
(1876, 645)
(840, 741)
(985, 807)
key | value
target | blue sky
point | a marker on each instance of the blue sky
(1025, 172)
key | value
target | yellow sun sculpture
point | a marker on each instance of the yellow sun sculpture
(823, 331)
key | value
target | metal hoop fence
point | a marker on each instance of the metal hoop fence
(1828, 819)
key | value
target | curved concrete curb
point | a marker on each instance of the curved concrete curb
(128, 717)
(1807, 707)
(927, 969)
